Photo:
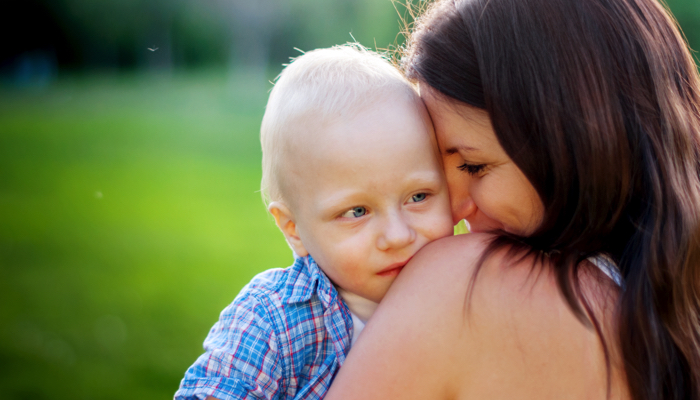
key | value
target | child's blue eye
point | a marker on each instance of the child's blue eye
(416, 198)
(355, 212)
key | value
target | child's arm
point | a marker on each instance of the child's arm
(242, 355)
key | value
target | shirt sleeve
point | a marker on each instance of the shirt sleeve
(242, 358)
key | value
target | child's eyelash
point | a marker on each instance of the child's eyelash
(472, 169)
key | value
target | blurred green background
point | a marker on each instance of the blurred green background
(129, 173)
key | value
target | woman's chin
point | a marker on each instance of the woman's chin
(481, 227)
(484, 230)
(475, 227)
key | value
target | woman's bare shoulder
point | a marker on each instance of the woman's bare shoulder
(454, 265)
(443, 262)
(505, 281)
(512, 335)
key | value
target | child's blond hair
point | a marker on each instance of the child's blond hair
(317, 88)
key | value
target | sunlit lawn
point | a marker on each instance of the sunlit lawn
(129, 217)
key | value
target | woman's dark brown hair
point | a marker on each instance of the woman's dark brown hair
(597, 102)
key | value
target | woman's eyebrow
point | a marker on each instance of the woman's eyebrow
(458, 148)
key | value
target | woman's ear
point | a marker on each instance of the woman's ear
(285, 221)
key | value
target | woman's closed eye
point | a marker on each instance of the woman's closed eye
(472, 169)
(355, 212)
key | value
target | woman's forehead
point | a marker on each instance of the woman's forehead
(459, 127)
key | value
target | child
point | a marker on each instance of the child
(352, 177)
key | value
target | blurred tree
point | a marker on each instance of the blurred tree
(687, 13)
(104, 32)
(251, 26)
(239, 34)
(33, 42)
(157, 38)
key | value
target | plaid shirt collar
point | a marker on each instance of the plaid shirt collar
(262, 344)
(306, 278)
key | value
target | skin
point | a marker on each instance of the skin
(513, 335)
(486, 187)
(383, 160)
(369, 192)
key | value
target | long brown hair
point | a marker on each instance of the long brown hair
(597, 102)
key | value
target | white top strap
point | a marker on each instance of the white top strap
(607, 265)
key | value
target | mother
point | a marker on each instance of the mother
(571, 129)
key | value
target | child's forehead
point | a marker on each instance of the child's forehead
(382, 129)
(357, 139)
(371, 167)
(370, 140)
(320, 122)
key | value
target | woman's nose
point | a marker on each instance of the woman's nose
(463, 206)
(397, 233)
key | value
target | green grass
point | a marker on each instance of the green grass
(129, 218)
(461, 228)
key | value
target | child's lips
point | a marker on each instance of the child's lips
(393, 269)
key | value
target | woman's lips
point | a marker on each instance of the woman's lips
(393, 269)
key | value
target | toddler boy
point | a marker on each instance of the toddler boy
(352, 177)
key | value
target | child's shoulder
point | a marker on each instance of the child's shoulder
(295, 283)
(271, 280)
(276, 298)
(277, 279)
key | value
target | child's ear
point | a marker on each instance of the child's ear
(285, 221)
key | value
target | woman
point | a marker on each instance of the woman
(570, 129)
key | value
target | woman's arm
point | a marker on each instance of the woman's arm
(517, 339)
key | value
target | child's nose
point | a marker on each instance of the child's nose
(397, 233)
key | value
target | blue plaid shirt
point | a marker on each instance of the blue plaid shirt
(284, 337)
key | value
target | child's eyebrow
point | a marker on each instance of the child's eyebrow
(339, 201)
(458, 148)
(423, 178)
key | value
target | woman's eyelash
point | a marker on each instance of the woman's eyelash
(472, 169)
